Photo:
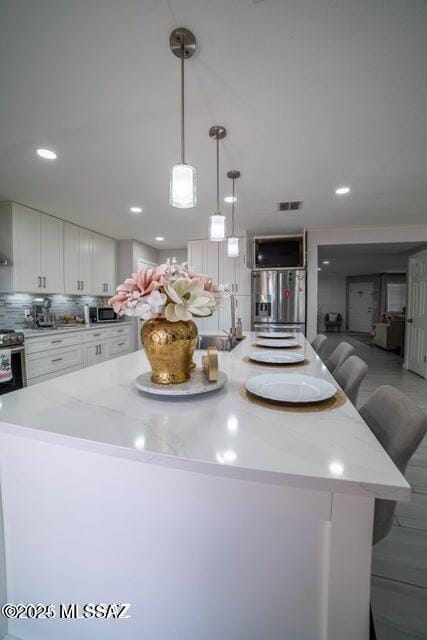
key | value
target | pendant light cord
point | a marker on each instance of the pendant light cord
(217, 174)
(232, 210)
(182, 103)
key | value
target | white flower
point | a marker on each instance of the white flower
(188, 299)
(147, 307)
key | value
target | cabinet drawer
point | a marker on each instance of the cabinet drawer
(116, 332)
(36, 345)
(95, 335)
(40, 364)
(119, 345)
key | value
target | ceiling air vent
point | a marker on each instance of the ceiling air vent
(290, 206)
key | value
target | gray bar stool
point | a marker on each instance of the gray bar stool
(319, 343)
(399, 426)
(350, 376)
(338, 355)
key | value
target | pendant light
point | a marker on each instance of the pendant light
(233, 241)
(182, 191)
(217, 220)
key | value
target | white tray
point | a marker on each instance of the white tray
(194, 387)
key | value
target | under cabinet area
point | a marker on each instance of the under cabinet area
(49, 356)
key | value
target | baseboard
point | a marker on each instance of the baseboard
(9, 637)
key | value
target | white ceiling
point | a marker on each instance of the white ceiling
(358, 259)
(314, 94)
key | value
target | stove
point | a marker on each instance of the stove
(11, 338)
(12, 347)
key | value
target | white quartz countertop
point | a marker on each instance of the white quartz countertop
(39, 333)
(99, 408)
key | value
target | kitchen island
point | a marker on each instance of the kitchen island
(214, 517)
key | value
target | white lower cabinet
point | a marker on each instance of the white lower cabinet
(95, 352)
(55, 355)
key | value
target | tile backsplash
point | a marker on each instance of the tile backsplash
(12, 307)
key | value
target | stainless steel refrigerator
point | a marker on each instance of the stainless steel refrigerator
(279, 300)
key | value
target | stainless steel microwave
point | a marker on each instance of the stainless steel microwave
(102, 314)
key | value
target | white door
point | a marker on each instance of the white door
(210, 267)
(27, 276)
(243, 274)
(360, 307)
(103, 265)
(71, 258)
(195, 255)
(416, 315)
(52, 254)
(85, 261)
(243, 310)
(227, 267)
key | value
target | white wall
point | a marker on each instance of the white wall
(128, 252)
(179, 254)
(331, 298)
(415, 233)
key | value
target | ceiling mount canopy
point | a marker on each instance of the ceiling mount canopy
(233, 240)
(183, 191)
(217, 220)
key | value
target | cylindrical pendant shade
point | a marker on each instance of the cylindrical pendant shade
(217, 227)
(182, 192)
(233, 247)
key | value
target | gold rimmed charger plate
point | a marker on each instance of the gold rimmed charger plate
(277, 365)
(338, 400)
(261, 346)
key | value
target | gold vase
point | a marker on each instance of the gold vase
(169, 347)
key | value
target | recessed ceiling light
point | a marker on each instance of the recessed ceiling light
(230, 199)
(159, 238)
(326, 262)
(319, 268)
(341, 191)
(47, 154)
(136, 209)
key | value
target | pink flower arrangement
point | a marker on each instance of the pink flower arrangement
(170, 291)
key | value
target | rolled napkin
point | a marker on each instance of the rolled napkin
(5, 365)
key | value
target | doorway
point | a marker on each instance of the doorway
(416, 317)
(360, 304)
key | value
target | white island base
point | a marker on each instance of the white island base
(196, 556)
(124, 501)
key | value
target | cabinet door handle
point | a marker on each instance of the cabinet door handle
(120, 344)
(83, 284)
(237, 288)
(57, 360)
(96, 335)
(100, 348)
(55, 341)
(78, 285)
(96, 349)
(40, 281)
(44, 282)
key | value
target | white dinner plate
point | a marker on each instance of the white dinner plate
(264, 342)
(290, 388)
(275, 335)
(277, 357)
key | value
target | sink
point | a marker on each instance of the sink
(221, 342)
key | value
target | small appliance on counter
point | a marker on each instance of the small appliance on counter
(103, 314)
(13, 350)
(42, 316)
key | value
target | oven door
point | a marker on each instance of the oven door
(19, 378)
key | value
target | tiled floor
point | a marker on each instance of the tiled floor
(399, 566)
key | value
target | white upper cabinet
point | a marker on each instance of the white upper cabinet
(104, 265)
(77, 259)
(37, 256)
(52, 254)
